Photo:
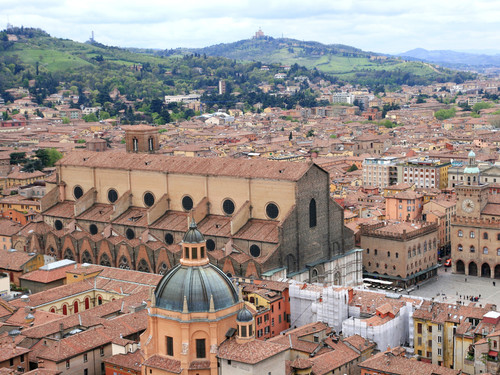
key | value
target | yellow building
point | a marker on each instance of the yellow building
(439, 332)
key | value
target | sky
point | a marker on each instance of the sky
(385, 26)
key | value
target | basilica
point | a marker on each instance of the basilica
(130, 209)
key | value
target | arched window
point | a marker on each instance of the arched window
(135, 144)
(75, 307)
(460, 247)
(388, 254)
(99, 300)
(472, 249)
(460, 233)
(87, 303)
(53, 310)
(312, 213)
(65, 309)
(485, 250)
(485, 235)
(472, 234)
(150, 144)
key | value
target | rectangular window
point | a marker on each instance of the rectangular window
(440, 339)
(202, 252)
(429, 329)
(200, 348)
(67, 363)
(243, 331)
(85, 359)
(194, 253)
(101, 351)
(22, 358)
(440, 351)
(419, 341)
(419, 328)
(279, 318)
(170, 346)
(186, 252)
(85, 371)
(429, 343)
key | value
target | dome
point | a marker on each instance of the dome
(472, 154)
(198, 285)
(193, 235)
(244, 315)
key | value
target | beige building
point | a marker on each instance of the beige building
(131, 210)
(404, 253)
(475, 230)
(428, 173)
(380, 172)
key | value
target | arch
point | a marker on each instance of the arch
(86, 257)
(87, 303)
(485, 270)
(65, 309)
(143, 266)
(485, 235)
(314, 276)
(52, 310)
(312, 213)
(460, 267)
(99, 300)
(123, 263)
(472, 269)
(497, 271)
(68, 254)
(291, 264)
(472, 249)
(76, 305)
(105, 260)
(337, 278)
(162, 269)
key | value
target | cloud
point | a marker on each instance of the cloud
(376, 25)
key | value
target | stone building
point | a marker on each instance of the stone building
(475, 230)
(405, 253)
(131, 210)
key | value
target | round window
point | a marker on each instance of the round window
(93, 229)
(272, 211)
(130, 234)
(77, 192)
(169, 239)
(228, 207)
(149, 199)
(112, 195)
(210, 245)
(187, 203)
(255, 251)
(58, 224)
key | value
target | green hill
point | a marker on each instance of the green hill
(344, 62)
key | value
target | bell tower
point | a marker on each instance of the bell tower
(142, 138)
(472, 196)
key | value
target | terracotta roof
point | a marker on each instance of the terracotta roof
(9, 350)
(14, 260)
(244, 168)
(63, 209)
(130, 361)
(164, 363)
(250, 352)
(47, 276)
(390, 364)
(8, 228)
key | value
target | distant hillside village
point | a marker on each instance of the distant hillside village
(332, 229)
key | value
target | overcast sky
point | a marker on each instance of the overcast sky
(388, 26)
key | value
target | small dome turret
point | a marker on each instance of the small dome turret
(193, 235)
(244, 315)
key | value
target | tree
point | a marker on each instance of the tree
(33, 165)
(290, 136)
(310, 133)
(65, 120)
(48, 156)
(91, 117)
(352, 168)
(18, 158)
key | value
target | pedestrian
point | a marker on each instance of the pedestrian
(465, 279)
(494, 284)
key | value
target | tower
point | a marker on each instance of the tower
(245, 321)
(141, 138)
(472, 196)
(193, 309)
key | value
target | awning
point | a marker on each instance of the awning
(493, 353)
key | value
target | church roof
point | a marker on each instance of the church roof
(243, 168)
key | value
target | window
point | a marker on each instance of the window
(376, 251)
(429, 329)
(312, 213)
(149, 199)
(419, 328)
(85, 359)
(67, 364)
(472, 249)
(367, 251)
(440, 351)
(210, 245)
(472, 234)
(243, 331)
(419, 341)
(485, 250)
(440, 327)
(440, 339)
(485, 235)
(77, 192)
(429, 343)
(187, 203)
(498, 252)
(460, 233)
(11, 362)
(129, 233)
(93, 229)
(101, 351)
(200, 348)
(272, 211)
(112, 195)
(21, 358)
(170, 346)
(58, 224)
(169, 239)
(255, 251)
(194, 253)
(460, 247)
(228, 206)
